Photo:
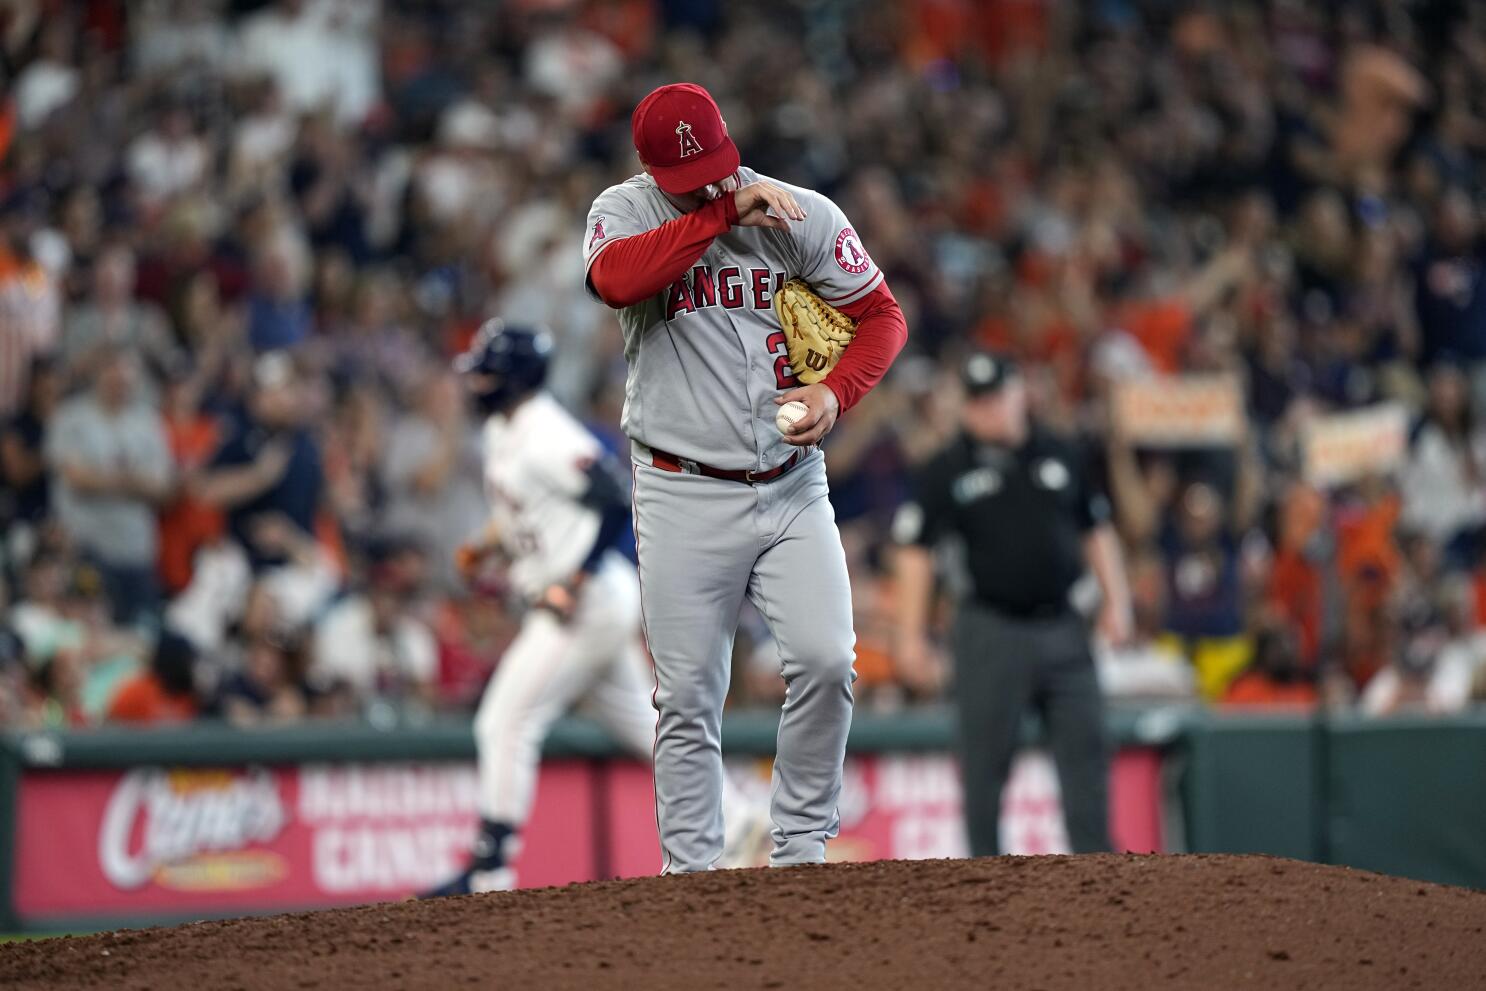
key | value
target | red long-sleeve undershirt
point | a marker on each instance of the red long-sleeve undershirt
(637, 267)
(881, 333)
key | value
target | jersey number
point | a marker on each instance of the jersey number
(525, 542)
(784, 376)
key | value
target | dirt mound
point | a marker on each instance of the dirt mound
(1013, 922)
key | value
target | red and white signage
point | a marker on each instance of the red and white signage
(1180, 410)
(1345, 447)
(154, 842)
(173, 841)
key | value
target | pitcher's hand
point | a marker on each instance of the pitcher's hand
(824, 407)
(756, 199)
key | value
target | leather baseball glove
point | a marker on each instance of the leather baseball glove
(814, 331)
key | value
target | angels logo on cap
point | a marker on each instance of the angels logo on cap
(689, 145)
(682, 139)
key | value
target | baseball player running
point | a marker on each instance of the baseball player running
(727, 502)
(558, 507)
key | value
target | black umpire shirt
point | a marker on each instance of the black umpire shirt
(1022, 514)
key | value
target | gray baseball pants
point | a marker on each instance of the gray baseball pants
(704, 544)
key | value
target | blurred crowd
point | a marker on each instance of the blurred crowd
(240, 241)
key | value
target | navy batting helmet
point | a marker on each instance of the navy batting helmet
(505, 363)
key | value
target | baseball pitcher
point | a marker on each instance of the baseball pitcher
(752, 317)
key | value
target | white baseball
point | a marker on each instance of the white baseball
(789, 414)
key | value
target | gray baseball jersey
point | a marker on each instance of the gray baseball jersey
(706, 356)
(706, 360)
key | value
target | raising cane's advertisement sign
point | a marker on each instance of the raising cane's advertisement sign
(165, 841)
(160, 842)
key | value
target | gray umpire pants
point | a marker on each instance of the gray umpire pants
(1005, 666)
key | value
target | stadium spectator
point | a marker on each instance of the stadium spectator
(355, 444)
(1200, 534)
(112, 466)
(30, 303)
(373, 644)
(321, 53)
(1450, 296)
(54, 693)
(1438, 659)
(1369, 563)
(269, 461)
(1293, 588)
(111, 317)
(168, 160)
(164, 693)
(171, 35)
(52, 79)
(36, 614)
(370, 343)
(1276, 676)
(186, 524)
(278, 315)
(25, 497)
(295, 582)
(107, 654)
(269, 688)
(75, 656)
(1148, 665)
(313, 202)
(1444, 481)
(430, 470)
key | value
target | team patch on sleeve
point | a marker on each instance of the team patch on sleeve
(598, 233)
(850, 254)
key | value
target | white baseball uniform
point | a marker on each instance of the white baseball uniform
(536, 464)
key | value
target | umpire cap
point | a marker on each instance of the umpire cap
(985, 372)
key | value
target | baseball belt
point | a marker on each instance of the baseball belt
(666, 461)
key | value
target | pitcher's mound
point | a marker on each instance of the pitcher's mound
(1013, 922)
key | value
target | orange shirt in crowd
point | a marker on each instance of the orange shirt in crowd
(1162, 326)
(1258, 689)
(142, 699)
(1295, 593)
(187, 524)
(1368, 561)
(1367, 555)
(995, 30)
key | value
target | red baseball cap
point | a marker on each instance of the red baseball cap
(680, 134)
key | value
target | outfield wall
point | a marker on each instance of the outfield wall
(130, 827)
